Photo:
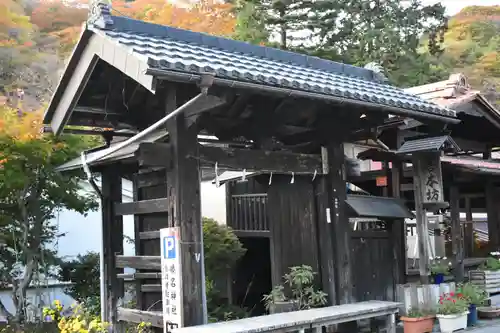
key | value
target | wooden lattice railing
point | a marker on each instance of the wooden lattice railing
(248, 212)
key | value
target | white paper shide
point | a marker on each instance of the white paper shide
(171, 278)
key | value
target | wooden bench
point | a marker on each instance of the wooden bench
(313, 319)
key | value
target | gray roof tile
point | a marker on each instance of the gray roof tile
(174, 49)
(430, 144)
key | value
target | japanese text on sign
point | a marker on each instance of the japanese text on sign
(431, 183)
(432, 179)
(171, 279)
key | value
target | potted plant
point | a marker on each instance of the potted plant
(277, 302)
(297, 293)
(491, 264)
(488, 274)
(475, 296)
(440, 267)
(452, 312)
(418, 321)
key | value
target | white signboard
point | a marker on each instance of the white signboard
(171, 279)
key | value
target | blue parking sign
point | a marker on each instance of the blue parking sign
(169, 247)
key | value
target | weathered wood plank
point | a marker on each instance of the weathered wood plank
(151, 288)
(142, 207)
(113, 241)
(139, 316)
(147, 178)
(398, 229)
(146, 235)
(139, 276)
(183, 188)
(341, 231)
(291, 221)
(297, 320)
(262, 160)
(155, 155)
(138, 262)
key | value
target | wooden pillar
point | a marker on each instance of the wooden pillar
(324, 201)
(468, 229)
(138, 228)
(112, 229)
(492, 215)
(422, 224)
(397, 227)
(457, 243)
(183, 182)
(341, 230)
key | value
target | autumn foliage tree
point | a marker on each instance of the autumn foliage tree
(472, 46)
(64, 19)
(208, 16)
(32, 192)
(36, 41)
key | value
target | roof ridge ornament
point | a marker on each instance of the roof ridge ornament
(378, 71)
(100, 14)
(460, 82)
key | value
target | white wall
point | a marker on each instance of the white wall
(213, 202)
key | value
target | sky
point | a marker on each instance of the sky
(454, 6)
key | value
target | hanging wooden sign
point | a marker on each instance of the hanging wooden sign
(428, 171)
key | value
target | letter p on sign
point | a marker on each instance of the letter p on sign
(169, 247)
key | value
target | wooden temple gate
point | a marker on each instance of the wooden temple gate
(288, 215)
(271, 111)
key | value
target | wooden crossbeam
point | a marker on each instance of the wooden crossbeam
(139, 276)
(139, 316)
(138, 262)
(149, 234)
(262, 160)
(142, 207)
(155, 155)
(151, 288)
(160, 155)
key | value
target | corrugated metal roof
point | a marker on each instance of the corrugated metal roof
(120, 154)
(431, 144)
(379, 207)
(178, 50)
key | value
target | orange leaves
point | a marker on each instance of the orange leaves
(53, 15)
(63, 19)
(208, 16)
(23, 127)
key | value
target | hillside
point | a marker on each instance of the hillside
(37, 36)
(472, 46)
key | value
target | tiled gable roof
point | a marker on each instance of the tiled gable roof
(177, 50)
